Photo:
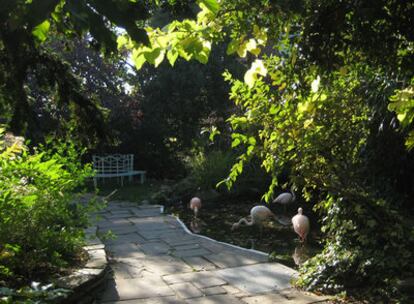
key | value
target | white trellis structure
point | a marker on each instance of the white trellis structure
(115, 165)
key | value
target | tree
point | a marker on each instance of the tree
(315, 101)
(26, 24)
(175, 105)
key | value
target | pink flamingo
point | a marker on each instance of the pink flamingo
(195, 205)
(285, 198)
(258, 215)
(301, 225)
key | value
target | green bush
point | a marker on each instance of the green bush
(41, 229)
(207, 169)
(351, 258)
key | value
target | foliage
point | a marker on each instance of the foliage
(207, 169)
(35, 294)
(403, 104)
(174, 105)
(353, 258)
(315, 101)
(41, 229)
(26, 25)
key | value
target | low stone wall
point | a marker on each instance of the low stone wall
(88, 281)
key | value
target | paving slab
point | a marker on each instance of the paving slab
(132, 237)
(119, 230)
(266, 299)
(217, 299)
(125, 250)
(199, 263)
(235, 291)
(190, 253)
(149, 212)
(190, 246)
(153, 226)
(199, 279)
(137, 288)
(215, 247)
(164, 265)
(186, 290)
(230, 259)
(301, 297)
(178, 238)
(259, 278)
(114, 222)
(155, 248)
(124, 270)
(121, 211)
(216, 290)
(157, 300)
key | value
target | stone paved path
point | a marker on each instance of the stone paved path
(156, 261)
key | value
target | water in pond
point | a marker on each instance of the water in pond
(216, 220)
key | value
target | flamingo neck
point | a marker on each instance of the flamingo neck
(245, 221)
(293, 194)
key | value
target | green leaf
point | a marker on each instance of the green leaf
(242, 49)
(154, 56)
(250, 150)
(252, 141)
(235, 142)
(172, 56)
(232, 47)
(159, 59)
(40, 31)
(122, 41)
(138, 59)
(212, 5)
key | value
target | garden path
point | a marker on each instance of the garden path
(156, 260)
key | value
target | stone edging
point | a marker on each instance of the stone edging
(86, 282)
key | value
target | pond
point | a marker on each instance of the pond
(215, 221)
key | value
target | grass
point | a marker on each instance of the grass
(133, 192)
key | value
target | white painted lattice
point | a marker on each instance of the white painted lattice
(115, 165)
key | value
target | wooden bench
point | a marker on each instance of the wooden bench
(115, 165)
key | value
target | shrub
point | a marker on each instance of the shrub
(40, 229)
(207, 169)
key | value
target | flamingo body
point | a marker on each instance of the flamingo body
(195, 205)
(301, 225)
(285, 198)
(258, 215)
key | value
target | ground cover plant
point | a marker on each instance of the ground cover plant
(41, 226)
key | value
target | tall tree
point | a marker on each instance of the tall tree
(26, 24)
